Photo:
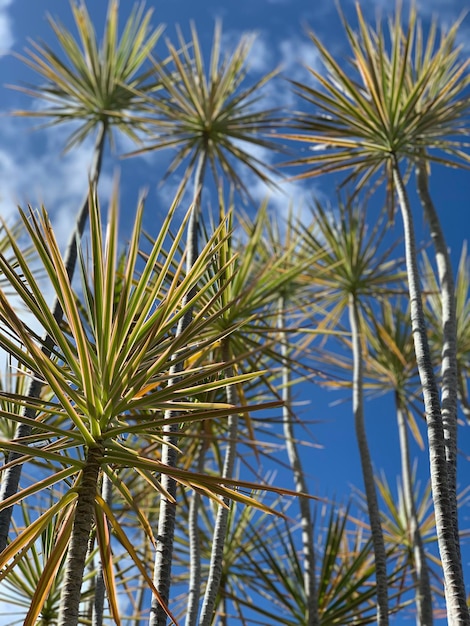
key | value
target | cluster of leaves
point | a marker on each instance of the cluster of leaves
(209, 349)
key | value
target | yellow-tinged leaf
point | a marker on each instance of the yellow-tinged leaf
(104, 544)
(51, 567)
(17, 548)
(142, 567)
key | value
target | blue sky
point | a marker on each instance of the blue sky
(33, 170)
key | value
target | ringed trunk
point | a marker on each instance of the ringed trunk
(167, 513)
(457, 610)
(423, 595)
(78, 548)
(449, 391)
(220, 529)
(367, 469)
(308, 545)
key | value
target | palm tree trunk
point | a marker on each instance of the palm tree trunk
(367, 470)
(423, 586)
(457, 610)
(78, 547)
(100, 587)
(308, 545)
(192, 607)
(220, 529)
(167, 513)
(449, 391)
(11, 477)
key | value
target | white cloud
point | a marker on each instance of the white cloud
(297, 55)
(6, 28)
(289, 193)
(444, 10)
(259, 60)
(35, 172)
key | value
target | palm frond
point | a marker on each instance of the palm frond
(207, 109)
(393, 99)
(92, 82)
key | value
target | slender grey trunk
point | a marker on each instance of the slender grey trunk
(367, 469)
(194, 592)
(308, 545)
(449, 391)
(88, 611)
(11, 477)
(423, 595)
(78, 546)
(220, 529)
(167, 513)
(100, 587)
(457, 610)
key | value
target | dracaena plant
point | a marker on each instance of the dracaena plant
(248, 285)
(20, 585)
(344, 575)
(390, 365)
(282, 240)
(108, 377)
(208, 117)
(208, 109)
(353, 268)
(401, 535)
(434, 309)
(402, 101)
(90, 85)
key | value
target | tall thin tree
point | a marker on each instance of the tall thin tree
(93, 85)
(404, 101)
(354, 267)
(206, 115)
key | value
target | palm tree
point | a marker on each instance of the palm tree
(353, 268)
(449, 380)
(207, 116)
(109, 377)
(94, 86)
(283, 237)
(391, 366)
(434, 314)
(250, 284)
(394, 106)
(344, 577)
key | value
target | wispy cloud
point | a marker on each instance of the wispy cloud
(446, 11)
(35, 172)
(288, 193)
(298, 54)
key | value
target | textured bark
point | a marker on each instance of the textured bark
(449, 391)
(11, 477)
(423, 595)
(220, 529)
(308, 546)
(78, 547)
(367, 469)
(100, 586)
(194, 592)
(166, 516)
(457, 610)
